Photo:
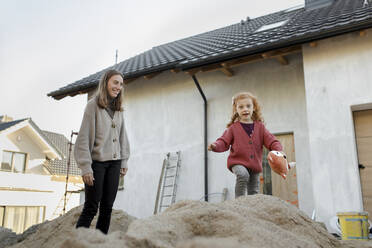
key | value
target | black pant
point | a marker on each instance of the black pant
(103, 192)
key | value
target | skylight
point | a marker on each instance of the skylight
(270, 26)
(300, 6)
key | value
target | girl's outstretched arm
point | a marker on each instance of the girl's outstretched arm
(223, 143)
(270, 141)
(211, 147)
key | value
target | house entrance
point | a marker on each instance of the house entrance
(273, 184)
(363, 135)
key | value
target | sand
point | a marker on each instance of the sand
(56, 232)
(254, 221)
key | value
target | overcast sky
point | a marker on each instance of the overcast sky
(45, 45)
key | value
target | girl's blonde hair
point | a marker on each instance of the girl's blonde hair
(102, 94)
(256, 116)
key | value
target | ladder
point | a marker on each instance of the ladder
(167, 187)
(59, 210)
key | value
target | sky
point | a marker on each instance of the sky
(45, 45)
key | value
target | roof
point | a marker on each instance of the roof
(59, 167)
(238, 40)
(6, 125)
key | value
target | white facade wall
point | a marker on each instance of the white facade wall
(20, 141)
(166, 114)
(338, 74)
(35, 187)
(41, 191)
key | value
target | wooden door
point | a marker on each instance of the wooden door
(363, 135)
(272, 183)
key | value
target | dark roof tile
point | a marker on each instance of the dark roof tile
(59, 167)
(6, 125)
(241, 39)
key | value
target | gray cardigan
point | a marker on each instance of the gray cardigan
(100, 138)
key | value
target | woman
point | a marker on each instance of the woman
(102, 150)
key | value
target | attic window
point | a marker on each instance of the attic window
(270, 26)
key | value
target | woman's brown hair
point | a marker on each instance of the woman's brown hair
(102, 94)
(256, 116)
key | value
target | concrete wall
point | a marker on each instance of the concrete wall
(166, 114)
(338, 76)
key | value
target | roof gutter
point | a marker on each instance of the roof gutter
(205, 137)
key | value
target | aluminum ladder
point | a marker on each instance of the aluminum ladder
(59, 210)
(167, 187)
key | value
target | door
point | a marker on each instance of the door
(363, 135)
(272, 183)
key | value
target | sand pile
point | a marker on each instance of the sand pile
(7, 237)
(254, 221)
(54, 233)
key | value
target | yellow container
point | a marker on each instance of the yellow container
(354, 225)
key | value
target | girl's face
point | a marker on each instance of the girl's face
(114, 86)
(245, 108)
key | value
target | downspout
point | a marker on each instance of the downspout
(205, 138)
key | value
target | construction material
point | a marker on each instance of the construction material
(257, 221)
(60, 232)
(168, 179)
(7, 237)
(354, 225)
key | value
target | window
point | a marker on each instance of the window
(14, 161)
(19, 218)
(270, 26)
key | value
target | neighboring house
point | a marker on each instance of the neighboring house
(33, 175)
(58, 167)
(311, 68)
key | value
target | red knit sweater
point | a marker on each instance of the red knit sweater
(246, 150)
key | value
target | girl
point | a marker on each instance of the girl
(245, 135)
(102, 150)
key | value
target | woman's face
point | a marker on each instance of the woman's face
(114, 86)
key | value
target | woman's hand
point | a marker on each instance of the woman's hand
(88, 179)
(211, 147)
(123, 171)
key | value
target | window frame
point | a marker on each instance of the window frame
(12, 161)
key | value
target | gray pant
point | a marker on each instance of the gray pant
(245, 179)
